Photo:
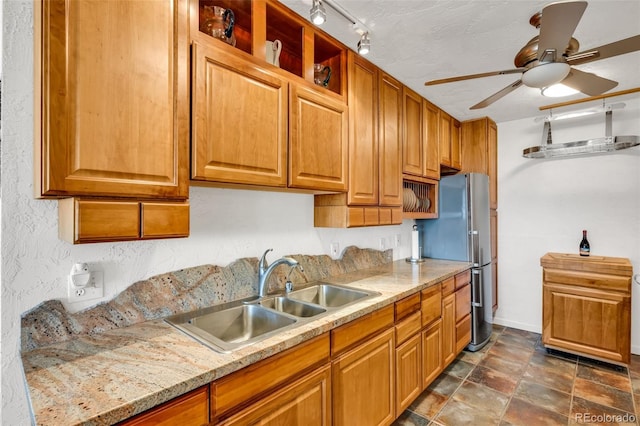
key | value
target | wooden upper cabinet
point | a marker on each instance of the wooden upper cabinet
(445, 139)
(492, 145)
(240, 110)
(479, 152)
(390, 141)
(318, 140)
(456, 155)
(412, 147)
(363, 131)
(112, 114)
(431, 135)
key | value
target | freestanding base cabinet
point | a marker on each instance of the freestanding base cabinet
(586, 306)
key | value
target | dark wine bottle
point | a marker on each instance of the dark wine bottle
(584, 244)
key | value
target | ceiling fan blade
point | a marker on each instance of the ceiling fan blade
(620, 47)
(491, 99)
(470, 76)
(588, 83)
(557, 24)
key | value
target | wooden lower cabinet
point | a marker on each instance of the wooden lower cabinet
(586, 306)
(463, 317)
(432, 361)
(448, 328)
(190, 409)
(363, 381)
(408, 372)
(304, 402)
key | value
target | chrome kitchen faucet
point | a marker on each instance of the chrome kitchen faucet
(264, 270)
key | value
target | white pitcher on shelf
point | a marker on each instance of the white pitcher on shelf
(273, 52)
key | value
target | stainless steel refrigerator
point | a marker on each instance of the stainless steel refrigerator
(462, 232)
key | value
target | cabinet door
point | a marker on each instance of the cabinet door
(492, 148)
(432, 352)
(114, 114)
(390, 141)
(456, 158)
(408, 373)
(363, 131)
(191, 409)
(240, 112)
(448, 329)
(318, 145)
(431, 135)
(363, 383)
(412, 148)
(304, 402)
(588, 321)
(445, 139)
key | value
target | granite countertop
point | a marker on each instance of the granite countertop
(106, 378)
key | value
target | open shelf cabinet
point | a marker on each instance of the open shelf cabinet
(424, 189)
(259, 21)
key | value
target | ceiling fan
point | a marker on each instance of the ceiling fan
(549, 57)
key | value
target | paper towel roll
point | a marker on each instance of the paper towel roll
(415, 244)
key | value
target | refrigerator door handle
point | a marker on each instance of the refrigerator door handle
(475, 244)
(476, 289)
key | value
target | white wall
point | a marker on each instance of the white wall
(225, 224)
(543, 205)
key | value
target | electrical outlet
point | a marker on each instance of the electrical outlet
(382, 243)
(397, 241)
(334, 248)
(84, 284)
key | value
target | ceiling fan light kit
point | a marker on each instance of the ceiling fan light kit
(545, 74)
(558, 90)
(551, 56)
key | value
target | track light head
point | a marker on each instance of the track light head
(318, 13)
(364, 45)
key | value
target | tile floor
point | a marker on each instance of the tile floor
(514, 381)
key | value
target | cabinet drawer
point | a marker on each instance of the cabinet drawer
(407, 306)
(463, 278)
(84, 221)
(431, 304)
(257, 379)
(448, 286)
(307, 401)
(189, 409)
(463, 302)
(408, 327)
(588, 279)
(162, 220)
(357, 330)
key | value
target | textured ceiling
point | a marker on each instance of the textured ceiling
(420, 40)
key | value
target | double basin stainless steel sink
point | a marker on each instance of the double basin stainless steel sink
(233, 325)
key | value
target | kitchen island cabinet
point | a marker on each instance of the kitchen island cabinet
(112, 108)
(586, 306)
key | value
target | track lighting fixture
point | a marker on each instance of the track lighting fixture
(318, 13)
(364, 45)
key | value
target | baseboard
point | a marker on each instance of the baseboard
(635, 349)
(518, 325)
